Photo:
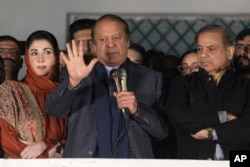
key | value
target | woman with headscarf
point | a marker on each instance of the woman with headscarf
(31, 131)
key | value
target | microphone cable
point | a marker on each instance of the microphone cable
(122, 133)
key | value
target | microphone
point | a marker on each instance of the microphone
(120, 77)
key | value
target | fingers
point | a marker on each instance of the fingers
(69, 51)
(25, 142)
(64, 57)
(74, 49)
(25, 154)
(126, 99)
(92, 63)
(80, 49)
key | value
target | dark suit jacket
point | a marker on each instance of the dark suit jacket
(76, 104)
(194, 103)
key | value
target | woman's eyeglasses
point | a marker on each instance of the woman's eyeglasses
(185, 69)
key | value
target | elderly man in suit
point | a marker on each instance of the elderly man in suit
(210, 108)
(97, 127)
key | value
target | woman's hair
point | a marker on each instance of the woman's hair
(43, 35)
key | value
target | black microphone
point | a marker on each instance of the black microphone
(120, 77)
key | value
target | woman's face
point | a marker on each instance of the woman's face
(42, 57)
(135, 56)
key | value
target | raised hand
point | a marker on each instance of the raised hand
(75, 64)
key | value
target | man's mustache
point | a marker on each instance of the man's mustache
(242, 56)
(13, 61)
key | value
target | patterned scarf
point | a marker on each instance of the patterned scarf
(19, 108)
(41, 86)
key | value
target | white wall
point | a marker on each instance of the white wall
(96, 162)
(21, 17)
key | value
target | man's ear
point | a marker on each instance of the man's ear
(128, 43)
(230, 52)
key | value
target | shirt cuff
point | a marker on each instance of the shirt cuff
(222, 116)
(215, 137)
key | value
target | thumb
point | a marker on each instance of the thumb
(24, 142)
(92, 63)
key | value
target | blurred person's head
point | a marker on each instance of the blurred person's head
(153, 56)
(168, 66)
(137, 53)
(189, 62)
(242, 53)
(10, 52)
(80, 30)
(2, 71)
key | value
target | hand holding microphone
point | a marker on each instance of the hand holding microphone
(125, 99)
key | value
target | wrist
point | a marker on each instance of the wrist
(210, 133)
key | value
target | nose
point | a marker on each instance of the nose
(40, 57)
(5, 54)
(84, 46)
(245, 50)
(202, 53)
(110, 42)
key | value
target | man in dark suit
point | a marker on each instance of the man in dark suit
(97, 127)
(210, 109)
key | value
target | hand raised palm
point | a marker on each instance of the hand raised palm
(76, 66)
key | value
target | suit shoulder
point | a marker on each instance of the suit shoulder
(145, 69)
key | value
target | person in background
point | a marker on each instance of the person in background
(168, 66)
(42, 61)
(97, 127)
(210, 109)
(80, 30)
(27, 131)
(2, 78)
(153, 57)
(241, 59)
(10, 53)
(10, 56)
(137, 53)
(189, 62)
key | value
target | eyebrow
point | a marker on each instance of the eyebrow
(47, 49)
(43, 49)
(9, 49)
(32, 50)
